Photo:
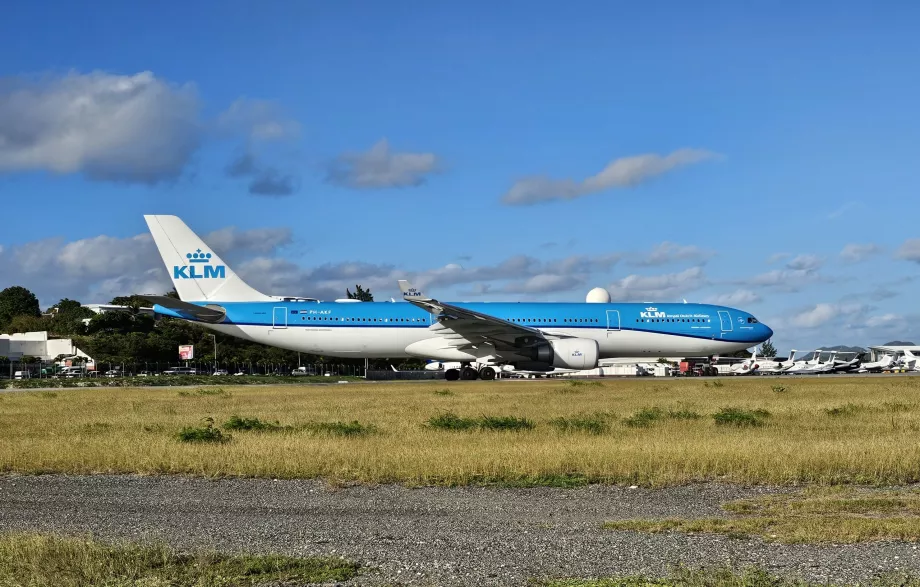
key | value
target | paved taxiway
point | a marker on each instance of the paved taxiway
(425, 536)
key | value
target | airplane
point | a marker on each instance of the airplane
(773, 367)
(528, 336)
(886, 362)
(819, 367)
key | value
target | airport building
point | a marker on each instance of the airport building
(37, 344)
(877, 352)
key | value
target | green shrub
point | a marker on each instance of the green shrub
(451, 421)
(778, 389)
(740, 417)
(683, 415)
(597, 423)
(505, 423)
(353, 428)
(443, 392)
(644, 417)
(206, 433)
(249, 424)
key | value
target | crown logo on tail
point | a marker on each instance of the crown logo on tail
(198, 257)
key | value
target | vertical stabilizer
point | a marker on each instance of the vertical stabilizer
(198, 273)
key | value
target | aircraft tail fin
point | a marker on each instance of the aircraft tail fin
(197, 272)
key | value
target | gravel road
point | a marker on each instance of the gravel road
(425, 536)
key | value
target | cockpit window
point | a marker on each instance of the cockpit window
(752, 320)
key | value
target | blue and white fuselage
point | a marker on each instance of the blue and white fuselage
(538, 336)
(386, 329)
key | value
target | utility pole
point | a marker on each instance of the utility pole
(215, 352)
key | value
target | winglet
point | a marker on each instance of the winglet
(410, 293)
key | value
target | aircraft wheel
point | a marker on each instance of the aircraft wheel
(487, 374)
(469, 374)
(452, 374)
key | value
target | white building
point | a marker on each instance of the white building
(37, 344)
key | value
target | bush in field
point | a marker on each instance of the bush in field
(597, 423)
(740, 417)
(206, 433)
(451, 421)
(249, 424)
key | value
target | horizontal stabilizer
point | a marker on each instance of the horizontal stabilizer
(180, 309)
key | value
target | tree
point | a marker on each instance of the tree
(17, 301)
(362, 294)
(768, 350)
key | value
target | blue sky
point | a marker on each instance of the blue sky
(758, 155)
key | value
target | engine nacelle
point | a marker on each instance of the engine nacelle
(569, 353)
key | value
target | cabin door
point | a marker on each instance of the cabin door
(613, 321)
(279, 318)
(726, 320)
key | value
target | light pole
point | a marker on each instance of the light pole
(215, 351)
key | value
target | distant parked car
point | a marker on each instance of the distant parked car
(221, 372)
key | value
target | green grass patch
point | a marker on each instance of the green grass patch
(644, 418)
(779, 389)
(445, 392)
(815, 516)
(451, 421)
(682, 576)
(596, 423)
(206, 433)
(41, 560)
(353, 428)
(250, 424)
(740, 417)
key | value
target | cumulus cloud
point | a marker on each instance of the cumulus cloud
(382, 168)
(910, 250)
(739, 297)
(130, 128)
(121, 128)
(668, 252)
(669, 286)
(263, 180)
(805, 263)
(619, 173)
(821, 314)
(854, 253)
(99, 268)
(259, 120)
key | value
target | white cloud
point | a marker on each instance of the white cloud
(805, 263)
(99, 268)
(259, 120)
(381, 168)
(122, 128)
(824, 313)
(777, 257)
(910, 250)
(619, 173)
(647, 288)
(668, 252)
(739, 297)
(132, 128)
(854, 253)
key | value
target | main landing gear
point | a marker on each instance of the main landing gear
(469, 373)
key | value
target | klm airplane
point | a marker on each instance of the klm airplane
(481, 336)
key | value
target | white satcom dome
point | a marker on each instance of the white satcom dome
(598, 295)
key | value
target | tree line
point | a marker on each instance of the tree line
(133, 337)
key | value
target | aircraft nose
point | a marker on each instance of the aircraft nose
(767, 332)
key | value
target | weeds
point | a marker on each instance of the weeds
(45, 560)
(250, 424)
(683, 415)
(644, 418)
(682, 576)
(443, 392)
(451, 421)
(778, 389)
(844, 410)
(740, 417)
(206, 433)
(597, 423)
(353, 428)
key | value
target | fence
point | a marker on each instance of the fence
(17, 369)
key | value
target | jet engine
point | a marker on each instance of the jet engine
(568, 353)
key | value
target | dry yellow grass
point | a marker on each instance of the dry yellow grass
(871, 437)
(824, 515)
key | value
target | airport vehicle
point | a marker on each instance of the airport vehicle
(530, 336)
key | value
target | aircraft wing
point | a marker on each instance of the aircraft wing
(467, 328)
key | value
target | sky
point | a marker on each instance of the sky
(757, 155)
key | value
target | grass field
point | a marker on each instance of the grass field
(41, 560)
(644, 431)
(838, 515)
